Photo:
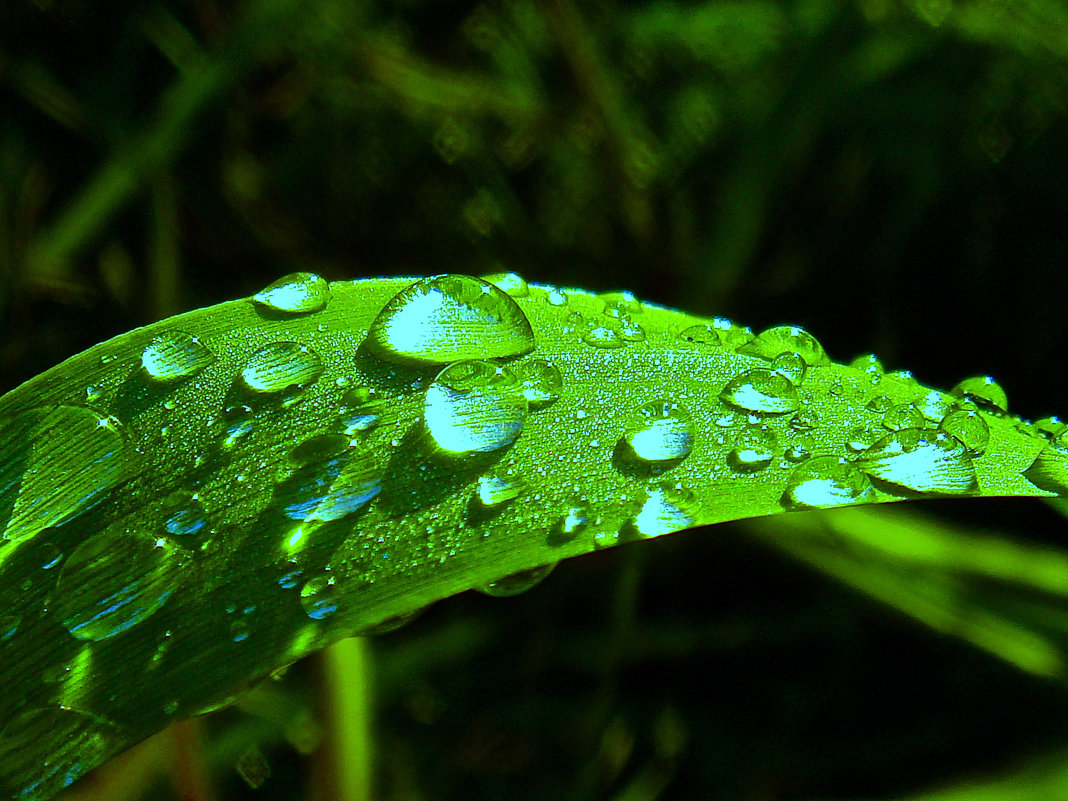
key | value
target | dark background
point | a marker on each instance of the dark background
(888, 174)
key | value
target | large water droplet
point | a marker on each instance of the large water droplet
(667, 508)
(1049, 471)
(296, 293)
(318, 597)
(924, 461)
(474, 407)
(969, 427)
(174, 356)
(773, 341)
(59, 462)
(720, 333)
(449, 318)
(114, 581)
(761, 391)
(985, 391)
(281, 365)
(517, 582)
(825, 481)
(660, 431)
(541, 382)
(44, 749)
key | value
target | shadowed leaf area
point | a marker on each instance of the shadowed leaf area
(205, 514)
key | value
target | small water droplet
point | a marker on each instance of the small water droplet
(449, 318)
(318, 449)
(174, 356)
(603, 337)
(9, 624)
(667, 508)
(620, 305)
(790, 366)
(761, 391)
(556, 297)
(920, 460)
(329, 490)
(720, 333)
(1050, 427)
(541, 382)
(969, 427)
(934, 405)
(113, 581)
(361, 410)
(862, 437)
(517, 582)
(575, 520)
(771, 342)
(474, 407)
(869, 363)
(797, 453)
(903, 416)
(660, 431)
(93, 393)
(803, 422)
(509, 283)
(318, 597)
(296, 293)
(234, 433)
(187, 518)
(281, 366)
(239, 631)
(880, 404)
(630, 331)
(753, 450)
(985, 391)
(824, 481)
(495, 490)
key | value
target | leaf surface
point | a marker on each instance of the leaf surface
(195, 504)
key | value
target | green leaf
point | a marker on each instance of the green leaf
(195, 504)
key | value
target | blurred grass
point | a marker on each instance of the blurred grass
(888, 173)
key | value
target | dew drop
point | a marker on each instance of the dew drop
(1050, 427)
(318, 597)
(509, 283)
(494, 490)
(174, 356)
(720, 333)
(753, 450)
(660, 431)
(603, 337)
(934, 405)
(803, 421)
(361, 410)
(985, 391)
(869, 363)
(575, 520)
(924, 461)
(880, 404)
(517, 583)
(318, 448)
(296, 293)
(824, 481)
(862, 437)
(773, 341)
(541, 382)
(667, 508)
(280, 366)
(556, 297)
(449, 318)
(903, 416)
(790, 366)
(762, 391)
(969, 427)
(630, 331)
(187, 518)
(474, 407)
(797, 453)
(620, 305)
(60, 462)
(239, 631)
(329, 490)
(113, 581)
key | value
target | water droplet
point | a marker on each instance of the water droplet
(880, 404)
(509, 283)
(174, 356)
(318, 448)
(517, 582)
(280, 366)
(44, 749)
(870, 364)
(318, 597)
(660, 431)
(620, 305)
(113, 581)
(667, 508)
(234, 433)
(969, 427)
(361, 410)
(797, 453)
(862, 437)
(329, 490)
(720, 333)
(760, 391)
(790, 366)
(93, 393)
(773, 341)
(920, 460)
(603, 337)
(49, 555)
(803, 422)
(1050, 427)
(825, 481)
(239, 631)
(9, 624)
(556, 297)
(494, 490)
(985, 391)
(296, 293)
(753, 450)
(187, 518)
(934, 405)
(61, 462)
(630, 331)
(474, 407)
(449, 318)
(541, 382)
(575, 520)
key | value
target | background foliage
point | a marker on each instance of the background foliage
(889, 175)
